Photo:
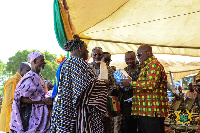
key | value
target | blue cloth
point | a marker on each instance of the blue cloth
(118, 74)
(55, 87)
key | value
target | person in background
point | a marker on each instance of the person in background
(29, 109)
(191, 93)
(113, 91)
(106, 58)
(79, 98)
(8, 96)
(49, 94)
(49, 87)
(97, 65)
(181, 94)
(129, 122)
(149, 101)
(197, 89)
(97, 56)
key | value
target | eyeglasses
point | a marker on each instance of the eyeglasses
(107, 60)
(140, 54)
(95, 54)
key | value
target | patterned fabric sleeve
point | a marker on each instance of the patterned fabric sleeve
(150, 82)
(31, 90)
(9, 90)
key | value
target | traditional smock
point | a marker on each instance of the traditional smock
(150, 90)
(8, 97)
(79, 99)
(32, 86)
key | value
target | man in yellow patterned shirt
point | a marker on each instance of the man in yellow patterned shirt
(149, 100)
(8, 96)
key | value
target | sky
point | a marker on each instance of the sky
(27, 24)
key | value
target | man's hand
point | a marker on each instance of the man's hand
(107, 82)
(125, 82)
(48, 101)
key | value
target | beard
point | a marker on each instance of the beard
(41, 68)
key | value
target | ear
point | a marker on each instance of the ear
(79, 49)
(34, 61)
(20, 69)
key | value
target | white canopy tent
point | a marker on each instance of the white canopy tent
(170, 26)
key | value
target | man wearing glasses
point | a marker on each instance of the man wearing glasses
(98, 57)
(149, 100)
(113, 91)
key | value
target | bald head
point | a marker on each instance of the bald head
(24, 67)
(24, 64)
(146, 47)
(144, 52)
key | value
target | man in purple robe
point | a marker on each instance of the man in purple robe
(29, 110)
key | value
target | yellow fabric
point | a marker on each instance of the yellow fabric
(66, 21)
(169, 22)
(8, 97)
(85, 40)
(166, 23)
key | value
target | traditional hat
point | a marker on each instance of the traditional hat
(33, 55)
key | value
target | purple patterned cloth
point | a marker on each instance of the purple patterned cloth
(31, 86)
(33, 55)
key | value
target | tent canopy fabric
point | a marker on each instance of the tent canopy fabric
(170, 26)
(180, 66)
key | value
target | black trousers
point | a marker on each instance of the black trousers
(151, 124)
(129, 124)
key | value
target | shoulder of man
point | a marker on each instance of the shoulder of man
(156, 62)
(12, 78)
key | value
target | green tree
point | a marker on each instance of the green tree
(49, 72)
(186, 81)
(14, 61)
(2, 76)
(51, 66)
(1, 67)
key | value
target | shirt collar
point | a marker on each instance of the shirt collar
(18, 75)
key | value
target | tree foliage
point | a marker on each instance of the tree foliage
(14, 61)
(1, 67)
(49, 72)
(3, 73)
(2, 76)
(51, 66)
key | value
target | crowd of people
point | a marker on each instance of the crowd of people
(193, 92)
(88, 97)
